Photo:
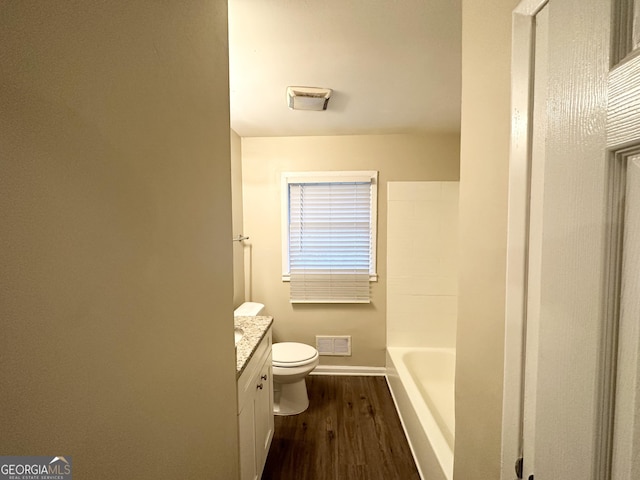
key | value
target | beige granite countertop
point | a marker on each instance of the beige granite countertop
(254, 329)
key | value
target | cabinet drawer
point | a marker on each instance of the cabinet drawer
(247, 381)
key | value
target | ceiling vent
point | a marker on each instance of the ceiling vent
(308, 98)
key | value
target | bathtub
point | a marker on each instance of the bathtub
(421, 381)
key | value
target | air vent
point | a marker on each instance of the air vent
(339, 346)
(308, 98)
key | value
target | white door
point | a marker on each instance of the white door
(581, 414)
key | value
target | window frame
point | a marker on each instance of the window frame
(328, 177)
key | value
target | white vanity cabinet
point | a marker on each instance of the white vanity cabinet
(255, 411)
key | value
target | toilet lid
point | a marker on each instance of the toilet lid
(292, 354)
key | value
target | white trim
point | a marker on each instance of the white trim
(517, 231)
(348, 370)
(372, 278)
(529, 8)
(328, 176)
(329, 301)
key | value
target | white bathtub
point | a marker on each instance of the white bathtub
(421, 381)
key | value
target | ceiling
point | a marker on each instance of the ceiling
(393, 65)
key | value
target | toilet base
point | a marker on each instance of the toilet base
(290, 398)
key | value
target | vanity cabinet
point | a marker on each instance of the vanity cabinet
(255, 411)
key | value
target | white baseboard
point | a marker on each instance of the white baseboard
(349, 370)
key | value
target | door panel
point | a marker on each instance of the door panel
(626, 444)
(623, 120)
(582, 366)
(566, 246)
(623, 141)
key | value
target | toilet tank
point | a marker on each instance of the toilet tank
(249, 309)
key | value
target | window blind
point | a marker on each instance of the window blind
(330, 247)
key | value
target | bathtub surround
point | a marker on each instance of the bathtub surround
(422, 298)
(422, 269)
(396, 158)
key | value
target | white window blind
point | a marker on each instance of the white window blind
(331, 239)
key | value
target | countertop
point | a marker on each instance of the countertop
(254, 329)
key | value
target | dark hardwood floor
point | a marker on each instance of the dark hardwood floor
(351, 431)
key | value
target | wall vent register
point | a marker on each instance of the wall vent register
(334, 345)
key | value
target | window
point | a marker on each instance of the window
(329, 235)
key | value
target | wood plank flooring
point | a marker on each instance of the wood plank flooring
(351, 431)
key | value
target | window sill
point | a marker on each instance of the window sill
(373, 277)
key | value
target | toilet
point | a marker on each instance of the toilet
(292, 362)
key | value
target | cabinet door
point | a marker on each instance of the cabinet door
(247, 442)
(263, 415)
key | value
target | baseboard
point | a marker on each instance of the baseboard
(347, 370)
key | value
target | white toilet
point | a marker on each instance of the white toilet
(292, 362)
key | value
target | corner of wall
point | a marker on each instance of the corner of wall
(485, 137)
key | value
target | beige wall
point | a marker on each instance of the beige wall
(237, 218)
(396, 157)
(486, 50)
(422, 264)
(115, 252)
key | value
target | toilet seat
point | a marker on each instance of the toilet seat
(292, 354)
